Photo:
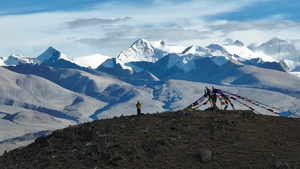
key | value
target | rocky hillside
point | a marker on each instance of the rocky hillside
(206, 139)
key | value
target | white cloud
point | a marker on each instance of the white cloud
(111, 27)
(259, 25)
(94, 21)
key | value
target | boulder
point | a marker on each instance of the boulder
(205, 155)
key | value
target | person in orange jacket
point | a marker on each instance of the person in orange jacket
(138, 107)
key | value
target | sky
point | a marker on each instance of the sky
(86, 27)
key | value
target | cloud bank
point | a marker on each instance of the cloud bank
(258, 25)
(93, 21)
(112, 26)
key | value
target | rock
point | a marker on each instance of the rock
(109, 129)
(205, 155)
(86, 132)
(103, 143)
(150, 147)
(213, 108)
(42, 141)
(108, 157)
(280, 165)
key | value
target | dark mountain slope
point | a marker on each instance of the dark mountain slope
(237, 139)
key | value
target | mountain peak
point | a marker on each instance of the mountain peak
(197, 50)
(238, 43)
(140, 42)
(162, 42)
(143, 50)
(276, 40)
(279, 49)
(51, 53)
(188, 49)
(51, 47)
(215, 47)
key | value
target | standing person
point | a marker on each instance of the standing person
(138, 108)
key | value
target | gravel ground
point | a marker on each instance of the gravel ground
(202, 139)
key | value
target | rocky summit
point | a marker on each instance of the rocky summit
(200, 139)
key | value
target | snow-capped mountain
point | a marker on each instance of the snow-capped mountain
(190, 60)
(142, 51)
(54, 58)
(51, 55)
(237, 51)
(13, 60)
(242, 52)
(208, 51)
(278, 49)
(142, 54)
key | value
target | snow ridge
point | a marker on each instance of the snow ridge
(92, 61)
(14, 60)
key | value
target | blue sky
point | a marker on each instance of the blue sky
(288, 8)
(85, 27)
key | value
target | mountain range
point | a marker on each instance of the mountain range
(39, 95)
